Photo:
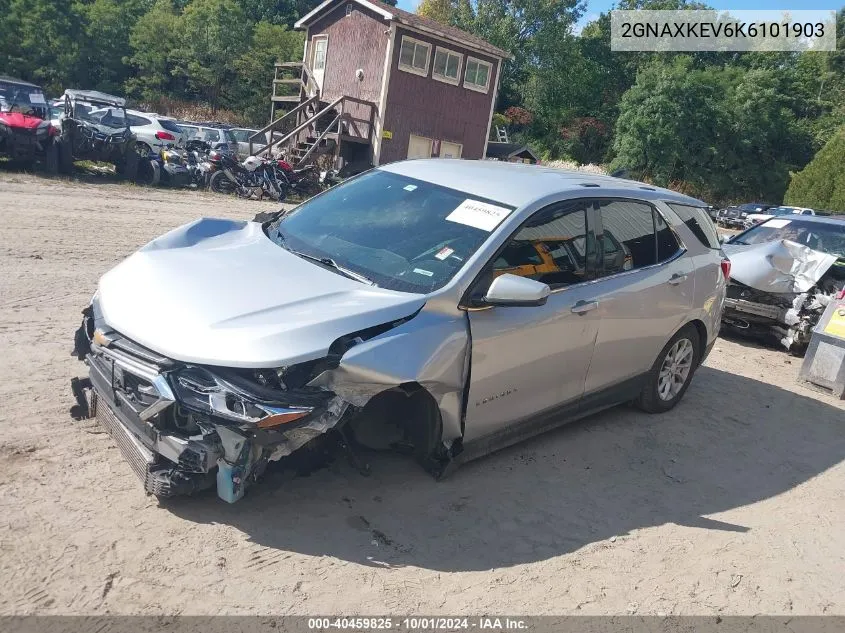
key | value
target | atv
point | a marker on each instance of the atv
(26, 134)
(95, 127)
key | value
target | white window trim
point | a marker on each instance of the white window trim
(448, 80)
(460, 145)
(426, 138)
(319, 36)
(476, 87)
(411, 69)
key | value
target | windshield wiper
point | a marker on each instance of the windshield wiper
(326, 261)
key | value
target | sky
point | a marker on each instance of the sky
(595, 7)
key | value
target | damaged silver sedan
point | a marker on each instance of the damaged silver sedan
(784, 274)
(442, 308)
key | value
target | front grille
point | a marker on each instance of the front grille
(140, 458)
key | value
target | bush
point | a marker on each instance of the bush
(821, 184)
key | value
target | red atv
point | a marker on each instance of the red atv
(25, 131)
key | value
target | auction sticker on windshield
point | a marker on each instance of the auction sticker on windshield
(36, 97)
(777, 224)
(479, 215)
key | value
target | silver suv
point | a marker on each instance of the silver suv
(446, 308)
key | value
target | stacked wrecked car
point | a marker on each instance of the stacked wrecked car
(784, 274)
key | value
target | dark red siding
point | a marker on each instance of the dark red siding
(355, 41)
(440, 111)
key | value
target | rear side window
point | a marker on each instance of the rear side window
(136, 121)
(634, 235)
(698, 221)
(169, 125)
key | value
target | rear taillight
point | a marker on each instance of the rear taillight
(726, 268)
(165, 136)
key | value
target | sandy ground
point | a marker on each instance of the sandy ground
(732, 503)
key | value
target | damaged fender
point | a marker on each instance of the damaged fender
(432, 349)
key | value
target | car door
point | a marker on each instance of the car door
(642, 298)
(527, 360)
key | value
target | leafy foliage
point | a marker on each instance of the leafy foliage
(821, 184)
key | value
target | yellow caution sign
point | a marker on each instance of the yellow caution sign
(836, 325)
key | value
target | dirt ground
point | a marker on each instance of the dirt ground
(733, 503)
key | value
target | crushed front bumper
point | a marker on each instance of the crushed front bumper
(172, 448)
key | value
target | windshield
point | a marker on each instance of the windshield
(828, 238)
(752, 208)
(399, 232)
(230, 138)
(101, 116)
(22, 99)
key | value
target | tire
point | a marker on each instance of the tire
(128, 168)
(148, 173)
(220, 183)
(51, 158)
(662, 393)
(65, 157)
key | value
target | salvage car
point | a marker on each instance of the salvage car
(757, 218)
(785, 272)
(382, 310)
(26, 134)
(95, 127)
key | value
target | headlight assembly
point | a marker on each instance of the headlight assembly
(199, 389)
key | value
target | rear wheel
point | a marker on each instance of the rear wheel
(672, 372)
(65, 156)
(51, 158)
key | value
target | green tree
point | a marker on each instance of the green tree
(255, 67)
(105, 46)
(821, 184)
(39, 42)
(213, 34)
(153, 41)
(441, 10)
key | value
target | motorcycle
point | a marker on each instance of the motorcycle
(167, 168)
(304, 181)
(253, 178)
(330, 178)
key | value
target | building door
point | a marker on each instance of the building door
(320, 47)
(419, 147)
(450, 150)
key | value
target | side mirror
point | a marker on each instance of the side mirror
(512, 291)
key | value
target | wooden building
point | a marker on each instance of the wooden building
(378, 84)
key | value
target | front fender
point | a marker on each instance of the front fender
(431, 349)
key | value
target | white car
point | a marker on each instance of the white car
(154, 132)
(757, 218)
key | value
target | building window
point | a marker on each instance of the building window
(478, 74)
(414, 56)
(447, 66)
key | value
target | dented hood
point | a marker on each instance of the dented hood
(781, 266)
(219, 292)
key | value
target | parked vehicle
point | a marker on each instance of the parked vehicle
(737, 217)
(785, 272)
(95, 127)
(242, 135)
(254, 178)
(218, 136)
(154, 132)
(376, 310)
(169, 168)
(26, 134)
(757, 218)
(303, 182)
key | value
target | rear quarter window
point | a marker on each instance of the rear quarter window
(170, 126)
(698, 221)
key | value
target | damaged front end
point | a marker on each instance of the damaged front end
(183, 427)
(780, 289)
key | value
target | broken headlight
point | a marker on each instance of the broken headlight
(203, 391)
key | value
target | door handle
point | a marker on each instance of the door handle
(676, 279)
(582, 307)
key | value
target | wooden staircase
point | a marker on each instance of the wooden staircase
(309, 125)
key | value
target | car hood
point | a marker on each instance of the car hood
(220, 292)
(22, 121)
(781, 266)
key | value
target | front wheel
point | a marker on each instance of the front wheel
(672, 372)
(220, 183)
